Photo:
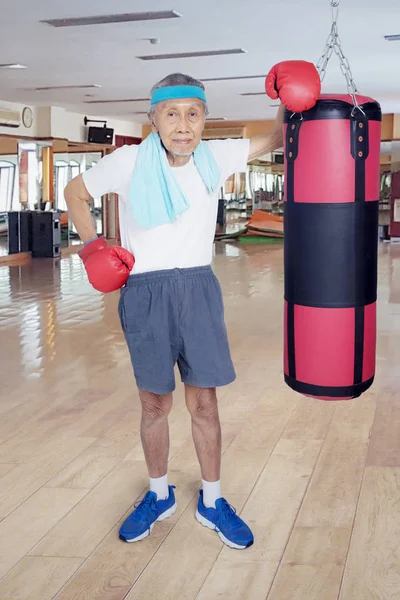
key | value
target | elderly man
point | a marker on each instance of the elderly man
(171, 306)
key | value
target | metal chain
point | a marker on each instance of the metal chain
(333, 43)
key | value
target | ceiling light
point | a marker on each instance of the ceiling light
(236, 78)
(217, 119)
(193, 54)
(64, 87)
(252, 94)
(393, 38)
(117, 101)
(151, 40)
(108, 19)
(13, 66)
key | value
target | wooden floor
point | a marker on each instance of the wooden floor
(318, 482)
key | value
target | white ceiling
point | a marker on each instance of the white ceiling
(269, 30)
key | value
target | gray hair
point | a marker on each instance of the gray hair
(176, 79)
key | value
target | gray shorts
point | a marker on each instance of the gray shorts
(176, 317)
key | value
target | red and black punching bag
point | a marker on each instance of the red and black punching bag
(332, 164)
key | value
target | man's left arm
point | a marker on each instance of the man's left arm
(268, 142)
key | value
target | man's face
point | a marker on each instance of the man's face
(180, 124)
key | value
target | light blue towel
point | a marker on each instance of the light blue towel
(156, 197)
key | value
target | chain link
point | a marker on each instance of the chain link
(333, 44)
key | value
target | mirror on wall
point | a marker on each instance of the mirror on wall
(9, 195)
(66, 166)
(385, 189)
(266, 187)
(33, 176)
(25, 181)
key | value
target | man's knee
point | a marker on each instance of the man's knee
(155, 406)
(202, 402)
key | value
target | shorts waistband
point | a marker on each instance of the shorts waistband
(170, 274)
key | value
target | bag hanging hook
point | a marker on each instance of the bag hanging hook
(333, 43)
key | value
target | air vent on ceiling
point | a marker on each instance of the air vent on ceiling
(193, 54)
(393, 38)
(63, 87)
(216, 119)
(117, 101)
(236, 78)
(13, 66)
(108, 19)
(252, 94)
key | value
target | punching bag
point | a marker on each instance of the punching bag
(332, 165)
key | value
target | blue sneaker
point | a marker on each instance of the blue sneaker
(223, 519)
(141, 521)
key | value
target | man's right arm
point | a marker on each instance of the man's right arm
(77, 198)
(108, 267)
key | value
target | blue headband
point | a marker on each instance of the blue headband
(174, 92)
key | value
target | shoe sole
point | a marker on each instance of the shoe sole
(165, 515)
(206, 523)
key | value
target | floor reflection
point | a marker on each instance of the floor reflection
(53, 324)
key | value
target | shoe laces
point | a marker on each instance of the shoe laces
(142, 506)
(228, 514)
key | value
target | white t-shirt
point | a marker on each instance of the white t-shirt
(185, 242)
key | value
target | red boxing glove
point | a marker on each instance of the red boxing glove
(296, 83)
(108, 267)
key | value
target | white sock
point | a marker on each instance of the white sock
(211, 493)
(159, 486)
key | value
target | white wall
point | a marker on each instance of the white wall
(70, 125)
(32, 132)
(42, 122)
(59, 123)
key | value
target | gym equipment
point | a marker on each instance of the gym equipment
(46, 234)
(332, 166)
(266, 224)
(19, 231)
(259, 239)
